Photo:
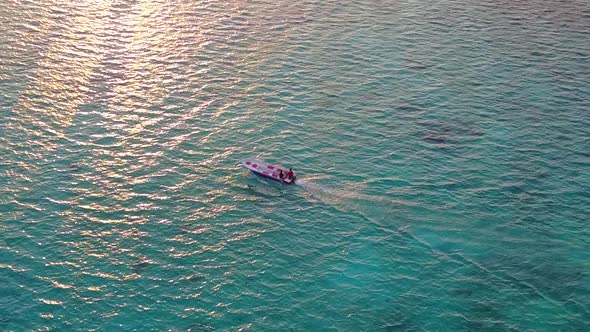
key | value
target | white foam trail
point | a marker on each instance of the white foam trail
(338, 195)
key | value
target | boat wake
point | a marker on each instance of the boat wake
(346, 195)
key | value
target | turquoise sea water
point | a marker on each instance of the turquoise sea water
(443, 151)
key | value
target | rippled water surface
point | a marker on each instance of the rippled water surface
(443, 152)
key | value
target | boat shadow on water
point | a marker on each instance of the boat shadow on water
(261, 187)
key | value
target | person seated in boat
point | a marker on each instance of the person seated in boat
(290, 174)
(281, 174)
